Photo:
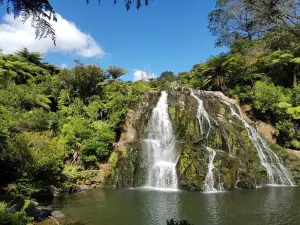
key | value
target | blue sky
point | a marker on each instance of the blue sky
(166, 35)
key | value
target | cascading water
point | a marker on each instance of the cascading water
(202, 115)
(160, 146)
(209, 182)
(276, 171)
(205, 127)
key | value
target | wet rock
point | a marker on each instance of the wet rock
(93, 185)
(87, 182)
(38, 213)
(83, 188)
(55, 191)
(58, 214)
(34, 202)
(245, 184)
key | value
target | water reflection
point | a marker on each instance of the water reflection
(143, 207)
(213, 208)
(278, 205)
(160, 206)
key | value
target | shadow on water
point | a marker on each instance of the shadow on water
(269, 205)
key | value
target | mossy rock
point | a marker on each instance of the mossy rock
(191, 168)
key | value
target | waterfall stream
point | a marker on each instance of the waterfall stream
(205, 127)
(209, 182)
(202, 115)
(276, 171)
(160, 147)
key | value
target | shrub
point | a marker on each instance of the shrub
(7, 217)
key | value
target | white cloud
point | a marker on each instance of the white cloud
(63, 66)
(142, 75)
(14, 34)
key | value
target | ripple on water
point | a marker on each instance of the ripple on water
(144, 206)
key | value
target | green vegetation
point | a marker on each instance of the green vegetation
(47, 114)
(261, 68)
(9, 216)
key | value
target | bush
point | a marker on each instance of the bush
(7, 217)
(244, 93)
(285, 132)
(266, 100)
(39, 152)
(97, 147)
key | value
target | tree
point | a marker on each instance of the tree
(32, 57)
(250, 19)
(184, 77)
(232, 20)
(273, 13)
(83, 81)
(167, 75)
(213, 73)
(116, 72)
(284, 67)
(42, 12)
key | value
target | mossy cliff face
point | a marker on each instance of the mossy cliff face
(127, 167)
(236, 162)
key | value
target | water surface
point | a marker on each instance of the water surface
(270, 205)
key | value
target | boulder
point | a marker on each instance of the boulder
(37, 212)
(58, 214)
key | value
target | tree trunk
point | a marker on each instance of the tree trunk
(294, 80)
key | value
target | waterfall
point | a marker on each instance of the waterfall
(276, 171)
(202, 115)
(160, 147)
(209, 182)
(205, 127)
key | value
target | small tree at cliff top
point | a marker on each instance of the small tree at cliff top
(116, 72)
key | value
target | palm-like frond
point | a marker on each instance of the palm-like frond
(33, 57)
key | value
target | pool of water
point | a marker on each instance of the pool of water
(264, 206)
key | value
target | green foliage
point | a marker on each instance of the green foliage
(213, 74)
(266, 100)
(250, 19)
(33, 57)
(83, 81)
(116, 72)
(39, 153)
(286, 133)
(8, 217)
(167, 75)
(294, 112)
(96, 147)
